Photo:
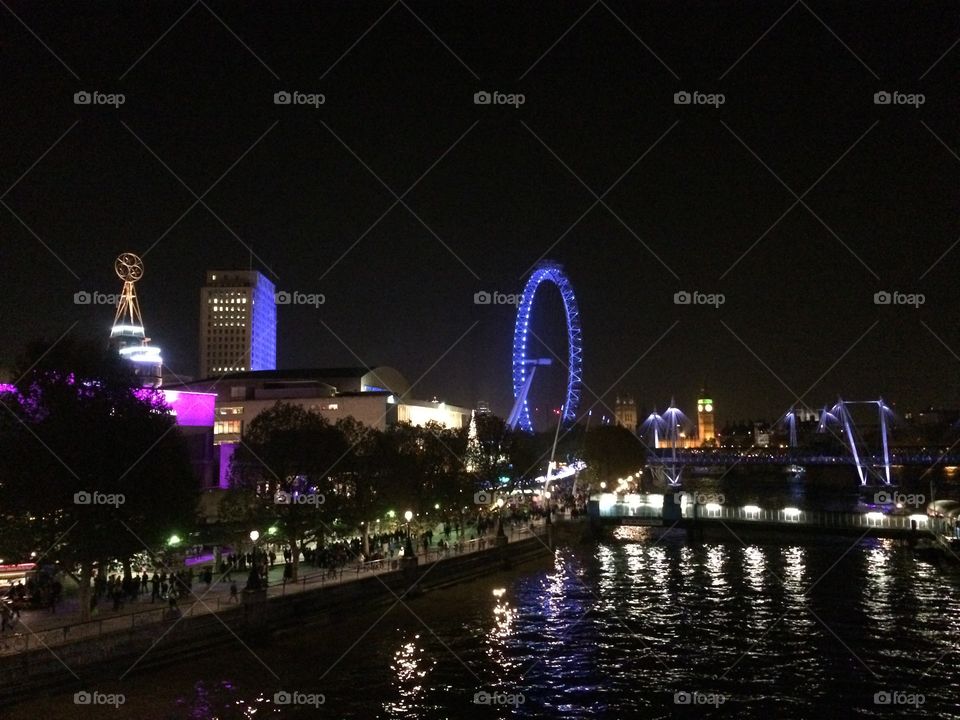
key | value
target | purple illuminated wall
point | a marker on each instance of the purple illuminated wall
(191, 408)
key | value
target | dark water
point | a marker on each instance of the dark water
(792, 628)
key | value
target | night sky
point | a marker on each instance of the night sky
(695, 189)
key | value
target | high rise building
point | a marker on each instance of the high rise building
(238, 323)
(705, 421)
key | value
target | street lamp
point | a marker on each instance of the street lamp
(253, 580)
(408, 549)
(500, 519)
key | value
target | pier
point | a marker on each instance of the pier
(676, 510)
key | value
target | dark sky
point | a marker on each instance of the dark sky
(599, 83)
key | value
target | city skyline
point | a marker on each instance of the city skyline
(703, 199)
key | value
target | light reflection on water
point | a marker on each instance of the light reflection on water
(614, 630)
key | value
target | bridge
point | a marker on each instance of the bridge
(727, 457)
(686, 511)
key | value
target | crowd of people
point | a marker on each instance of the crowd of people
(163, 585)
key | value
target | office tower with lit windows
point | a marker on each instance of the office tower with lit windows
(238, 323)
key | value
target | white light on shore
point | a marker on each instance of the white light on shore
(751, 509)
(875, 516)
(712, 507)
(791, 512)
(919, 518)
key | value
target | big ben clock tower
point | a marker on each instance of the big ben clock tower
(705, 426)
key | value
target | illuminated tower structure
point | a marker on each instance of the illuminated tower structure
(127, 335)
(625, 409)
(238, 323)
(705, 421)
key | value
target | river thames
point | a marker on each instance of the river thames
(639, 624)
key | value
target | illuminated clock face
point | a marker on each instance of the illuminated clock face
(699, 408)
(708, 407)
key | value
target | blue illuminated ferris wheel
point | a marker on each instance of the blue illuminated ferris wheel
(524, 367)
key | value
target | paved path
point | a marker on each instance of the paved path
(43, 628)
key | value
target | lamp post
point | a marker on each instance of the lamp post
(408, 548)
(501, 538)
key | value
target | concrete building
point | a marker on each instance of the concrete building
(238, 323)
(375, 396)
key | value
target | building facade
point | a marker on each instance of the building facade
(238, 323)
(376, 397)
(625, 410)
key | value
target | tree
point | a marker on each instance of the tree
(284, 464)
(364, 477)
(94, 465)
(612, 451)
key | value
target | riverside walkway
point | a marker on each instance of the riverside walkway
(41, 628)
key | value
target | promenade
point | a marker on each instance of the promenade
(42, 628)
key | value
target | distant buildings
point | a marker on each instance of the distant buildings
(374, 396)
(625, 411)
(705, 421)
(238, 323)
